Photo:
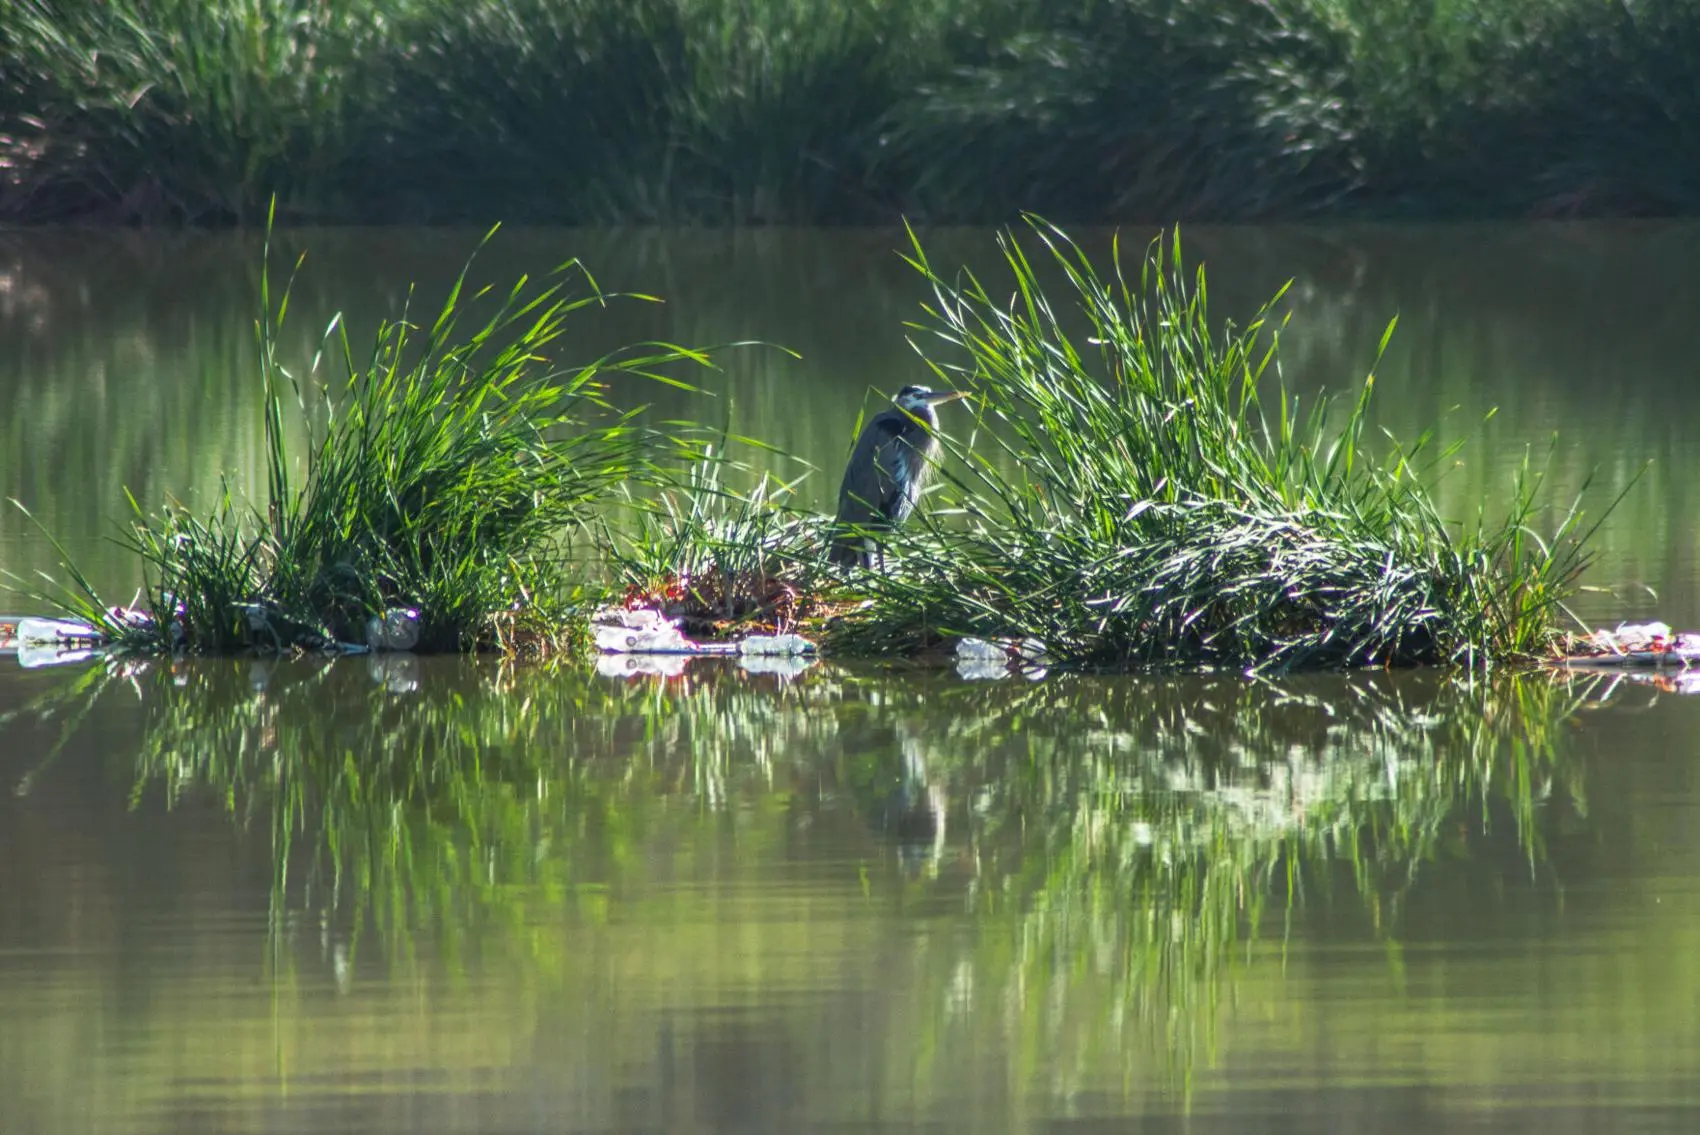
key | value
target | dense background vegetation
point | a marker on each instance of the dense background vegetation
(809, 111)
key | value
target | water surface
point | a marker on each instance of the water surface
(446, 896)
(439, 895)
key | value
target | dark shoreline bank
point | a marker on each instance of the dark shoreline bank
(818, 112)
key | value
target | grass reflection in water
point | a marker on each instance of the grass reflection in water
(1091, 866)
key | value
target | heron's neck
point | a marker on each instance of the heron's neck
(927, 416)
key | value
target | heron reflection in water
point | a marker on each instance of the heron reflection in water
(887, 471)
(900, 794)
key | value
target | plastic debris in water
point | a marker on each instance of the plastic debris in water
(780, 645)
(979, 650)
(775, 665)
(396, 675)
(640, 631)
(61, 632)
(1634, 636)
(258, 620)
(626, 640)
(132, 617)
(1638, 644)
(634, 665)
(140, 619)
(1032, 652)
(32, 656)
(981, 669)
(396, 629)
(644, 630)
(634, 618)
(979, 659)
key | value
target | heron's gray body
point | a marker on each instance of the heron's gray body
(887, 471)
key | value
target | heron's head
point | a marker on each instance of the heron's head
(916, 399)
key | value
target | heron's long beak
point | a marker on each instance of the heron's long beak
(941, 397)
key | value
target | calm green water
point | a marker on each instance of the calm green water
(441, 896)
(434, 895)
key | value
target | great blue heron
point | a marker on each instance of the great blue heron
(887, 471)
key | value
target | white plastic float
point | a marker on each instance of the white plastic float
(49, 642)
(57, 632)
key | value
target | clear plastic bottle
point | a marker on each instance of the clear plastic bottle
(46, 632)
(782, 645)
(395, 629)
(980, 650)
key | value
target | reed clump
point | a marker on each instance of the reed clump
(443, 472)
(1142, 490)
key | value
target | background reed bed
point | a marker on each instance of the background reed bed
(821, 111)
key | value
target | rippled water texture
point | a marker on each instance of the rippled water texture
(432, 895)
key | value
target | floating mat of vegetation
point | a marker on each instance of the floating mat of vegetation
(1136, 489)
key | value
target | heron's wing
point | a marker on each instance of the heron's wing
(894, 458)
(874, 479)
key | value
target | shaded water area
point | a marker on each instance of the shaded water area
(447, 895)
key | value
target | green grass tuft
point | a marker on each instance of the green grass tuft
(1139, 490)
(1142, 490)
(444, 475)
